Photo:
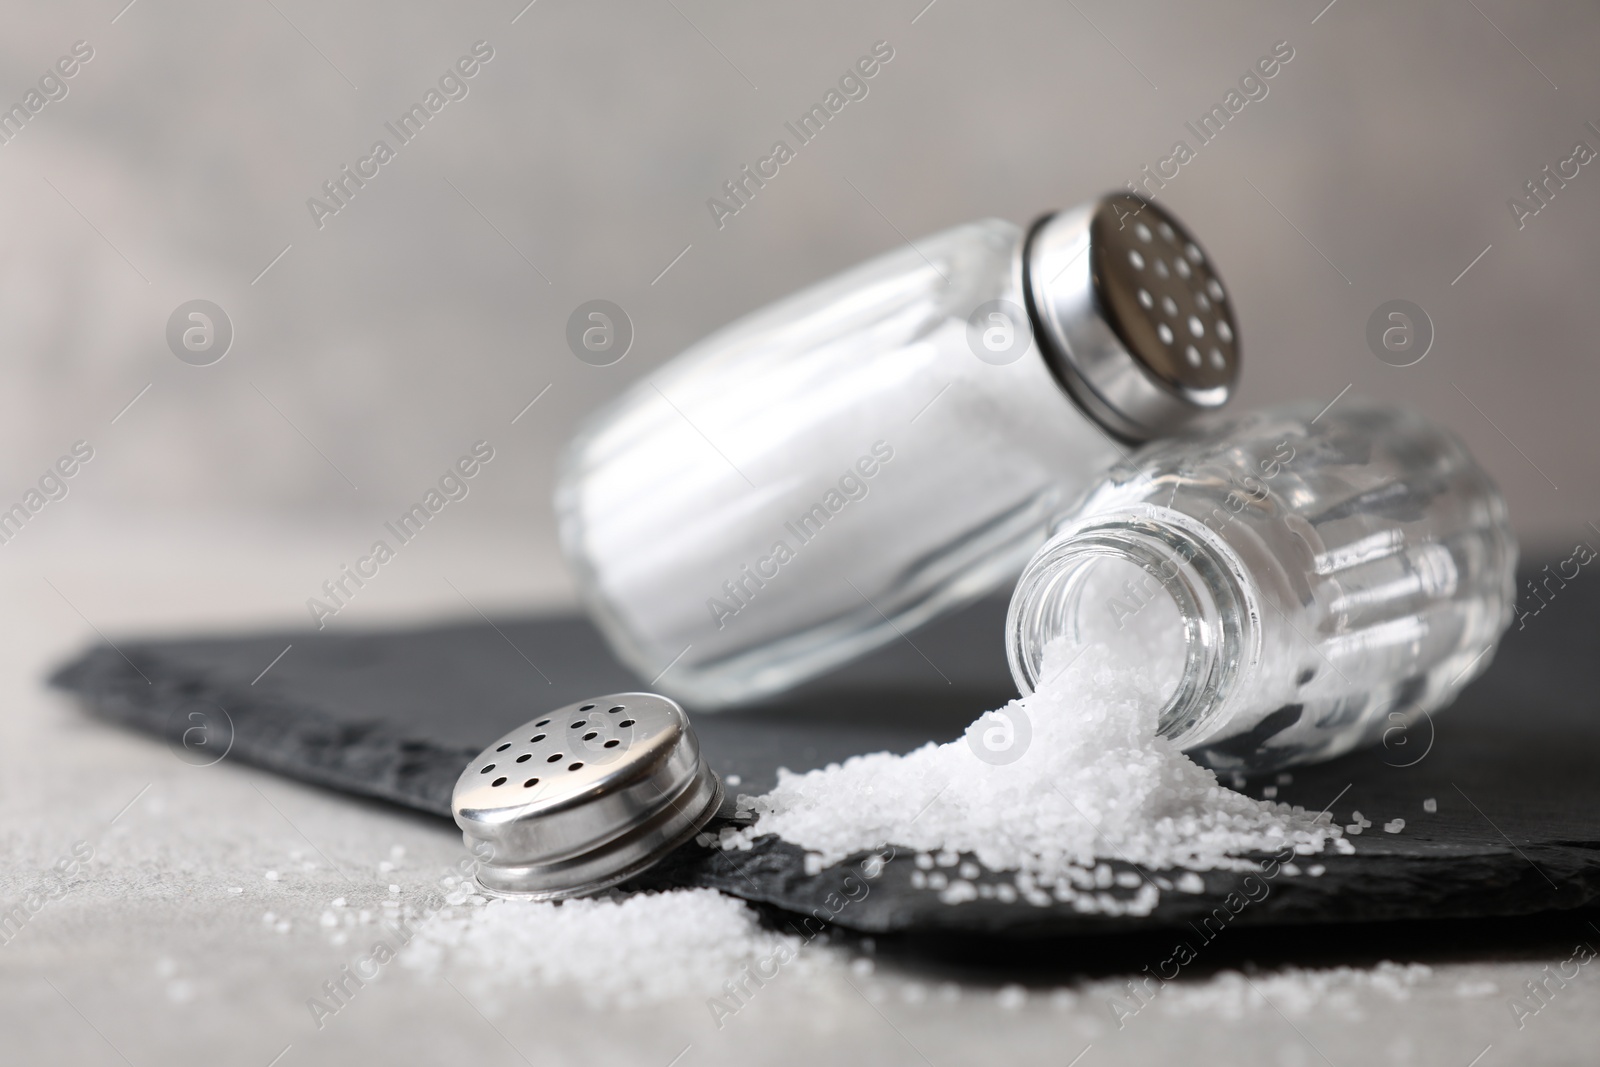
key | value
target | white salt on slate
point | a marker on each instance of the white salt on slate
(1094, 783)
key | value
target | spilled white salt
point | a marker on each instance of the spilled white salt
(1292, 991)
(645, 948)
(1094, 783)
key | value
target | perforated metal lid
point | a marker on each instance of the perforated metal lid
(585, 796)
(1134, 320)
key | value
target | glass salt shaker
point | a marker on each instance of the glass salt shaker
(845, 464)
(1313, 582)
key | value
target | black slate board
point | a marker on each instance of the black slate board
(395, 715)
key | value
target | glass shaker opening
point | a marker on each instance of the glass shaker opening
(1141, 591)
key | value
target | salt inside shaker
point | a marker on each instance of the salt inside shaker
(1302, 582)
(850, 462)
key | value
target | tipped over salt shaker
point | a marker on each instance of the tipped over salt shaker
(1301, 583)
(846, 464)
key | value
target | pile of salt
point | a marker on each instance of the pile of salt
(1094, 783)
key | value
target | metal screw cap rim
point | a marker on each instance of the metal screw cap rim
(1133, 318)
(584, 797)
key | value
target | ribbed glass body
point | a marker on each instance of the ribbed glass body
(1308, 583)
(825, 474)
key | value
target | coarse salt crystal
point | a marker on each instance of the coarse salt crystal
(1011, 997)
(1430, 805)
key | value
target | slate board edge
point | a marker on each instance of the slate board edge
(288, 739)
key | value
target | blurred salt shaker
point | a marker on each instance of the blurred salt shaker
(842, 466)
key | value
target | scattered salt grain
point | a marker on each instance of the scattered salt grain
(1095, 783)
(394, 888)
(647, 948)
(1394, 826)
(1293, 992)
(1270, 792)
(272, 876)
(337, 902)
(1011, 997)
(236, 889)
(959, 892)
(733, 779)
(1430, 805)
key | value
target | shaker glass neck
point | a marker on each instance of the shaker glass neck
(1150, 585)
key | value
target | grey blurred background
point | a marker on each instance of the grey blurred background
(370, 352)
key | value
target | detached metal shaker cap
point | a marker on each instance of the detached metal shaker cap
(585, 796)
(1131, 315)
